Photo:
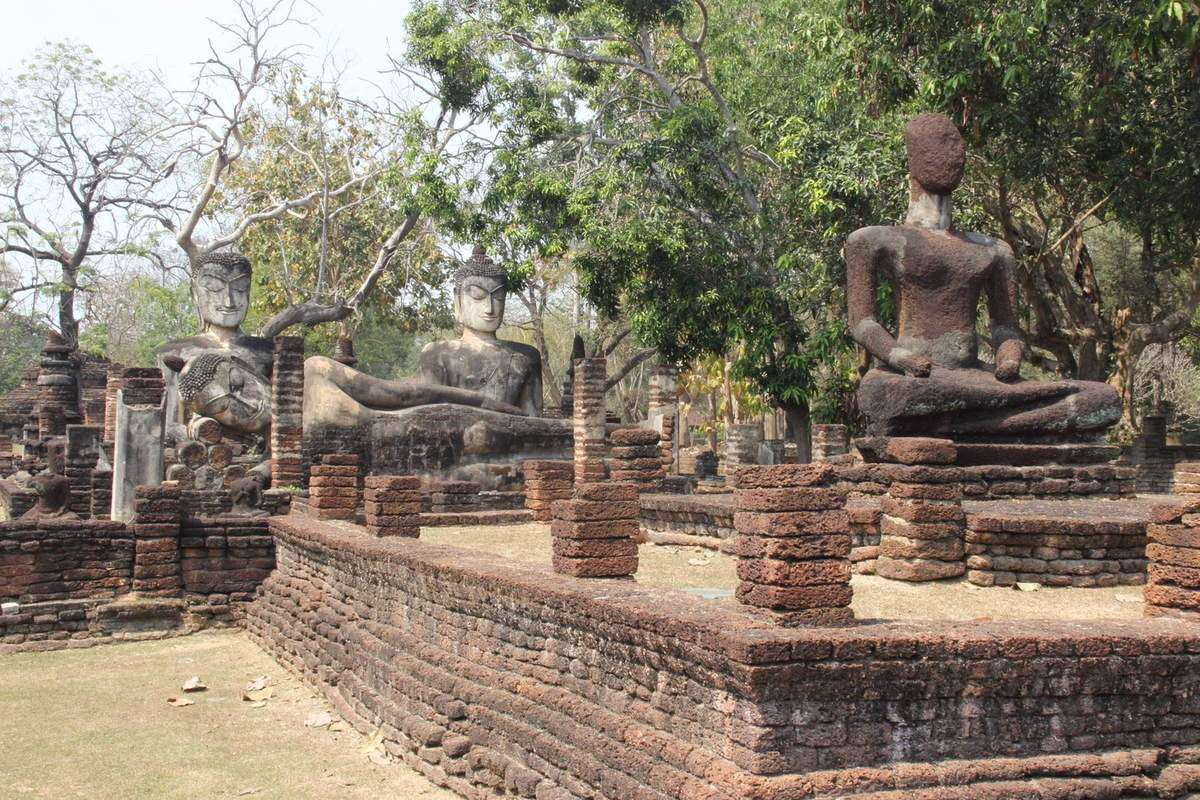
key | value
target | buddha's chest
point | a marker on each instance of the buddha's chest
(943, 264)
(497, 372)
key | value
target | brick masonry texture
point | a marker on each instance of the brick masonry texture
(636, 457)
(1173, 575)
(500, 678)
(591, 446)
(333, 487)
(287, 405)
(594, 532)
(996, 482)
(71, 578)
(392, 505)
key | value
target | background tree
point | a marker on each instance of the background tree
(1077, 117)
(78, 154)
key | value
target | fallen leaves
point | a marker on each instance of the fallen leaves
(318, 719)
(180, 702)
(258, 692)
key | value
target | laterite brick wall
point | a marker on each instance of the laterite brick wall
(503, 679)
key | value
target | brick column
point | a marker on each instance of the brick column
(741, 446)
(50, 421)
(663, 412)
(156, 570)
(637, 458)
(142, 386)
(1173, 573)
(101, 496)
(112, 385)
(287, 412)
(922, 529)
(393, 505)
(546, 482)
(333, 487)
(83, 451)
(594, 532)
(829, 441)
(591, 445)
(793, 544)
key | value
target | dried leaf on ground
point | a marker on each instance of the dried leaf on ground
(258, 684)
(180, 702)
(259, 695)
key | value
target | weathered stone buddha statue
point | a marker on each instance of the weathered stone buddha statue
(475, 405)
(929, 380)
(221, 289)
(509, 372)
(53, 498)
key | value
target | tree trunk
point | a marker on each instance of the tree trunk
(67, 323)
(799, 419)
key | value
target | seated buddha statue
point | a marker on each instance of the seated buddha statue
(477, 401)
(929, 379)
(221, 290)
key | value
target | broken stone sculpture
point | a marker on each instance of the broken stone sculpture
(232, 360)
(929, 379)
(246, 494)
(53, 498)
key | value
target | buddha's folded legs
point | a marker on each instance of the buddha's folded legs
(972, 402)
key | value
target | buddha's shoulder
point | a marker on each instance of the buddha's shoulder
(185, 347)
(520, 348)
(875, 236)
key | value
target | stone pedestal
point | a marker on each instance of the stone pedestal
(393, 505)
(792, 544)
(594, 532)
(156, 523)
(829, 441)
(545, 483)
(287, 412)
(57, 388)
(1173, 574)
(637, 458)
(138, 453)
(333, 487)
(663, 413)
(591, 446)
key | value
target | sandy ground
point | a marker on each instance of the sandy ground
(711, 574)
(96, 724)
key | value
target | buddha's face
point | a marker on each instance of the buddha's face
(236, 397)
(222, 295)
(937, 153)
(479, 303)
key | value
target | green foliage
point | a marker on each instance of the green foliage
(440, 43)
(20, 347)
(139, 315)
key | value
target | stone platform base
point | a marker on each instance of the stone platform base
(697, 516)
(502, 679)
(467, 518)
(1053, 543)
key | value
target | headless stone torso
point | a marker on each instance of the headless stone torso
(497, 369)
(930, 381)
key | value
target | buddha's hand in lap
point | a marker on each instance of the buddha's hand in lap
(912, 365)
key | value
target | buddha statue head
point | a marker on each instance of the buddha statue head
(221, 289)
(228, 390)
(937, 153)
(480, 289)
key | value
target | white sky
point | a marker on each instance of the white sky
(171, 35)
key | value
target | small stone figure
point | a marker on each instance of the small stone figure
(930, 380)
(508, 372)
(221, 288)
(54, 498)
(246, 494)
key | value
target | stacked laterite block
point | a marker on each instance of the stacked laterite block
(1186, 478)
(793, 544)
(591, 445)
(393, 505)
(287, 412)
(111, 386)
(333, 487)
(156, 542)
(142, 386)
(594, 532)
(546, 482)
(921, 531)
(448, 497)
(637, 458)
(1173, 574)
(101, 496)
